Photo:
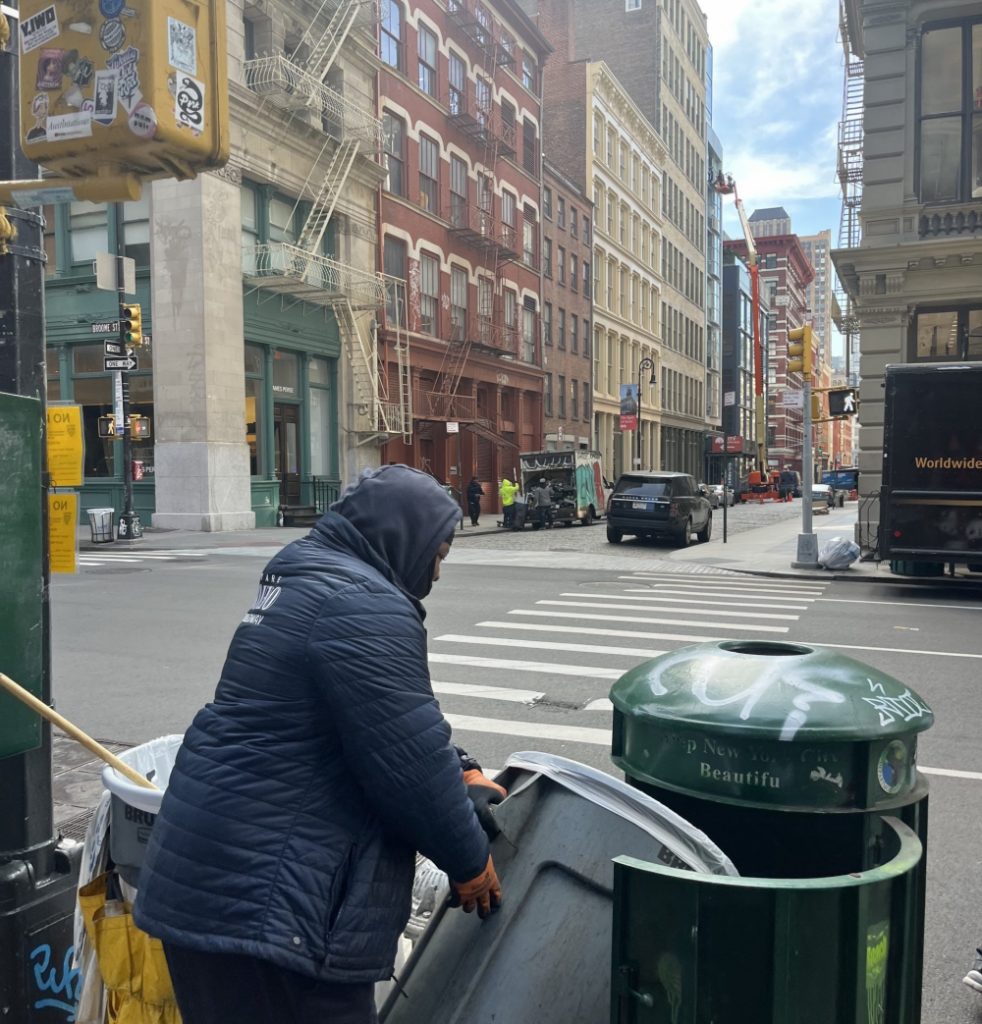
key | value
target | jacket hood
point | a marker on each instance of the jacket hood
(404, 516)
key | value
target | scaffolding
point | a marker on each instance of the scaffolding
(849, 170)
(298, 269)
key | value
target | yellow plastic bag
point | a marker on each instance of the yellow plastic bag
(131, 963)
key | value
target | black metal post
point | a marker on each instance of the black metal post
(646, 364)
(37, 872)
(130, 527)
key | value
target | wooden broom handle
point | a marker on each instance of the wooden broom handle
(74, 731)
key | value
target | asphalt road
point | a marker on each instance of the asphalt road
(523, 658)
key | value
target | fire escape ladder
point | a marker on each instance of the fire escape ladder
(361, 349)
(327, 194)
(324, 52)
(400, 413)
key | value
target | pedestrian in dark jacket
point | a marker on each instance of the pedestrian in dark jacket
(279, 871)
(474, 494)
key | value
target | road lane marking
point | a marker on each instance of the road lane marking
(639, 595)
(487, 692)
(587, 631)
(527, 666)
(731, 595)
(950, 773)
(668, 610)
(889, 650)
(744, 627)
(561, 733)
(549, 645)
(904, 604)
(683, 580)
(108, 559)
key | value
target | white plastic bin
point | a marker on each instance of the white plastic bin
(134, 808)
(101, 524)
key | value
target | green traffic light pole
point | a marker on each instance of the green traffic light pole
(38, 870)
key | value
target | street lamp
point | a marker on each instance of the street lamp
(646, 364)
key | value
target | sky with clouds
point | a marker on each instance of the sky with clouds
(777, 98)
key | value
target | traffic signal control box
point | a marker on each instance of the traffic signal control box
(113, 87)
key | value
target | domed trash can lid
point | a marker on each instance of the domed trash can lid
(765, 722)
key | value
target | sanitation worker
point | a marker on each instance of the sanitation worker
(279, 871)
(507, 491)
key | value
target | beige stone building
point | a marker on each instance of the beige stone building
(258, 285)
(911, 167)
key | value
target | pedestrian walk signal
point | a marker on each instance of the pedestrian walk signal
(107, 426)
(131, 323)
(843, 402)
(139, 426)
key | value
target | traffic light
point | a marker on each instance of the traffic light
(817, 408)
(107, 426)
(843, 402)
(131, 324)
(800, 350)
(139, 426)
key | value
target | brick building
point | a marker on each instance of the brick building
(460, 221)
(785, 274)
(567, 322)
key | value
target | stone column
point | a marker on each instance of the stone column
(202, 461)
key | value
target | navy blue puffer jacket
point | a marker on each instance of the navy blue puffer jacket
(301, 793)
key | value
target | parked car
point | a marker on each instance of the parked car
(658, 505)
(827, 495)
(710, 494)
(730, 496)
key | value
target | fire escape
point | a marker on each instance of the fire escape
(300, 270)
(850, 174)
(480, 226)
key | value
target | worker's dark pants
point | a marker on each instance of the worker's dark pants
(508, 514)
(219, 988)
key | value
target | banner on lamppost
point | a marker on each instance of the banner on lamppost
(629, 407)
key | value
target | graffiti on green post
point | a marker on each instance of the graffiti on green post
(877, 951)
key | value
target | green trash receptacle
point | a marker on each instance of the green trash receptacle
(801, 764)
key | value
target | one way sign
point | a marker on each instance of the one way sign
(124, 363)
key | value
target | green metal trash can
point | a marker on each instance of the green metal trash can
(801, 765)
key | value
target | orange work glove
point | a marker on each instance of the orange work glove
(483, 892)
(483, 792)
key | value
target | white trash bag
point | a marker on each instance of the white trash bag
(838, 553)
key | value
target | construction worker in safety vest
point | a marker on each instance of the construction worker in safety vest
(507, 491)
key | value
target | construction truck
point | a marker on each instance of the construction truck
(931, 492)
(577, 481)
(762, 483)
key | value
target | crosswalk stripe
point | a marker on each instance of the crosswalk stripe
(743, 595)
(106, 560)
(647, 595)
(527, 666)
(602, 704)
(547, 645)
(744, 627)
(713, 582)
(534, 730)
(669, 609)
(597, 631)
(487, 692)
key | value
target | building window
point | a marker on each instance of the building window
(89, 227)
(561, 264)
(574, 333)
(429, 175)
(511, 316)
(429, 294)
(530, 232)
(530, 73)
(632, 5)
(528, 331)
(458, 302)
(547, 257)
(508, 218)
(458, 191)
(458, 85)
(548, 394)
(561, 330)
(586, 231)
(574, 400)
(426, 49)
(547, 203)
(574, 222)
(394, 265)
(562, 397)
(248, 199)
(598, 134)
(574, 273)
(391, 41)
(394, 136)
(951, 113)
(942, 334)
(561, 212)
(530, 146)
(547, 323)
(136, 231)
(586, 279)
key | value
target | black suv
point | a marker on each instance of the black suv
(658, 505)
